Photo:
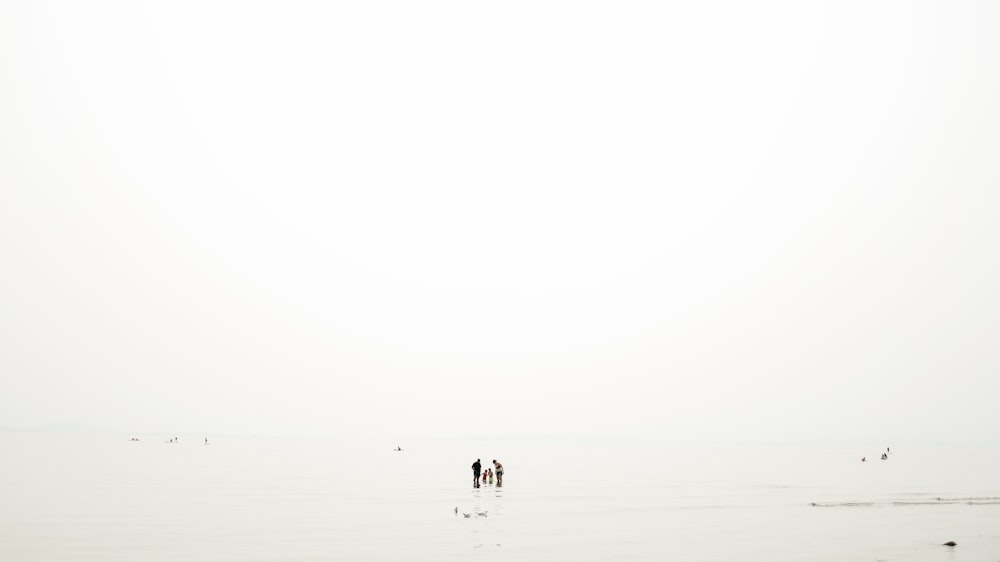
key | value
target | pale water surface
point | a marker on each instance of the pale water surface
(101, 497)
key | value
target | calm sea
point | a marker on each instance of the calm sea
(68, 497)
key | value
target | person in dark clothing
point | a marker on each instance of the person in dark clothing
(476, 468)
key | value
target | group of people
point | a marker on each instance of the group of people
(478, 473)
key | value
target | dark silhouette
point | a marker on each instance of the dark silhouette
(476, 468)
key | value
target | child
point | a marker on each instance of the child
(490, 472)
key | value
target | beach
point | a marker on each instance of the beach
(103, 497)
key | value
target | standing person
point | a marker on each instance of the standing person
(499, 468)
(476, 467)
(489, 471)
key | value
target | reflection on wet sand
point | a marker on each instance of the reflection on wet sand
(486, 504)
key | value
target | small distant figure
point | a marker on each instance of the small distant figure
(476, 468)
(862, 459)
(499, 468)
(490, 472)
(456, 510)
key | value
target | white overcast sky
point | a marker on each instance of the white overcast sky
(684, 220)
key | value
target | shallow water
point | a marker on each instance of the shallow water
(102, 497)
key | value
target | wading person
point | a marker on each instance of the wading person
(499, 472)
(476, 467)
